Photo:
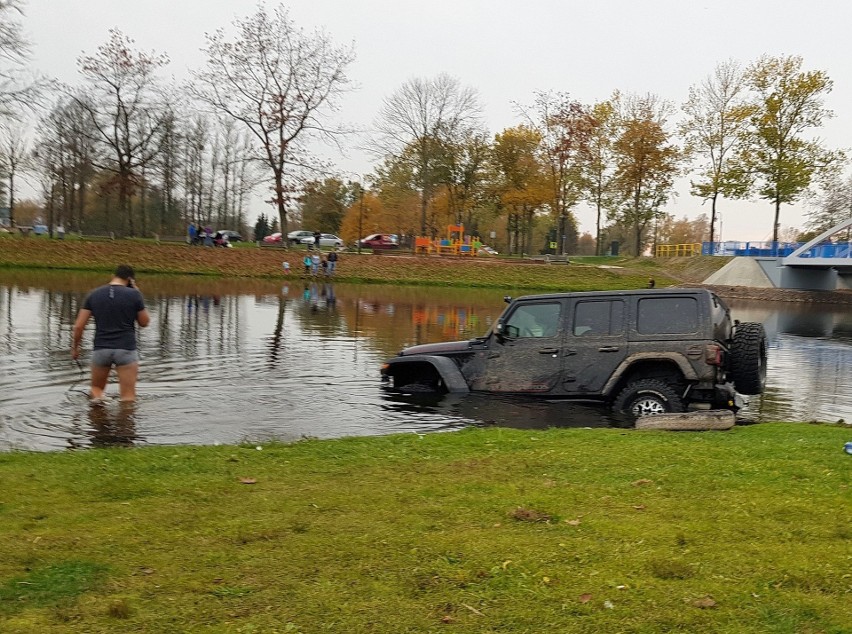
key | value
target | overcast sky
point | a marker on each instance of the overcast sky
(506, 50)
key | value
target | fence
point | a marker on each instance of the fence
(677, 250)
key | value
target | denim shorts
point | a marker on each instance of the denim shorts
(108, 357)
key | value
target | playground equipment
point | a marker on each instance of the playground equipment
(455, 243)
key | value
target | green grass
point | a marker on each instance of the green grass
(478, 531)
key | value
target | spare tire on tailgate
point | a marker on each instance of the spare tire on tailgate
(748, 358)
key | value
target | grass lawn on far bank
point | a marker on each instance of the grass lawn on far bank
(484, 530)
(266, 262)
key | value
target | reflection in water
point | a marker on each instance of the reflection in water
(112, 424)
(243, 360)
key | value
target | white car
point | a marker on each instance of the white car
(295, 237)
(326, 240)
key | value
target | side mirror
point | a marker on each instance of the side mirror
(507, 299)
(499, 331)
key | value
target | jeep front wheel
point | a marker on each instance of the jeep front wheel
(647, 397)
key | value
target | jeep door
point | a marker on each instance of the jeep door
(595, 345)
(524, 353)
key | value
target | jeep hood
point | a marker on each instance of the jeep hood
(436, 348)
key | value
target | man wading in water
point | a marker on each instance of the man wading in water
(117, 307)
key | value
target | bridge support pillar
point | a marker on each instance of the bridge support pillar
(811, 279)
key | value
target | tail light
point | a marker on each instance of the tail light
(713, 354)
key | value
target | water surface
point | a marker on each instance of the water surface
(250, 361)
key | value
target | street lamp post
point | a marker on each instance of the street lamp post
(360, 216)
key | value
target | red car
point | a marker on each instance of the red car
(379, 241)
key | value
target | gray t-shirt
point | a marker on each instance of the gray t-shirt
(114, 308)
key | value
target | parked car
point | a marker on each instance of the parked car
(296, 237)
(230, 234)
(273, 238)
(379, 241)
(642, 352)
(326, 240)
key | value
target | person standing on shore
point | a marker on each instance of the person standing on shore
(117, 307)
(332, 263)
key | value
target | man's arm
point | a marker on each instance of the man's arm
(143, 317)
(79, 325)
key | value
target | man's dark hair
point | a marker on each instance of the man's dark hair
(124, 271)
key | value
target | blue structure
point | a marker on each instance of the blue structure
(824, 263)
(750, 249)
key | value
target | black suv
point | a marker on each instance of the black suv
(644, 352)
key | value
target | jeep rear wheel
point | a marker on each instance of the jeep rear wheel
(748, 358)
(647, 397)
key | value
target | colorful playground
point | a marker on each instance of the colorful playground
(455, 242)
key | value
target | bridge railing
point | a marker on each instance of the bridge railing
(753, 249)
(829, 250)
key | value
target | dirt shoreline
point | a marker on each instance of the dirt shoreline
(779, 294)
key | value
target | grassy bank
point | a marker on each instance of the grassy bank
(257, 262)
(479, 531)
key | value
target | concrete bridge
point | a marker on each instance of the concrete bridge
(817, 265)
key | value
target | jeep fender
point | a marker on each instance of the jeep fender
(678, 359)
(445, 367)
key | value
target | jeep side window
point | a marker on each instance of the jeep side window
(667, 316)
(598, 318)
(534, 320)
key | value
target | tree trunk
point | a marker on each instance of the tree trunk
(12, 197)
(423, 212)
(777, 216)
(636, 199)
(713, 222)
(279, 202)
(143, 209)
(81, 204)
(124, 203)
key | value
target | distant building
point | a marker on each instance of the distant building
(5, 212)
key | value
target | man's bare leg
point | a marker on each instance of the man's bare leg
(100, 376)
(127, 375)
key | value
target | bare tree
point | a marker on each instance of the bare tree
(125, 107)
(422, 118)
(281, 83)
(195, 142)
(13, 158)
(17, 89)
(832, 206)
(167, 166)
(67, 133)
(716, 117)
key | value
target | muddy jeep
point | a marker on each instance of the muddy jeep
(643, 352)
